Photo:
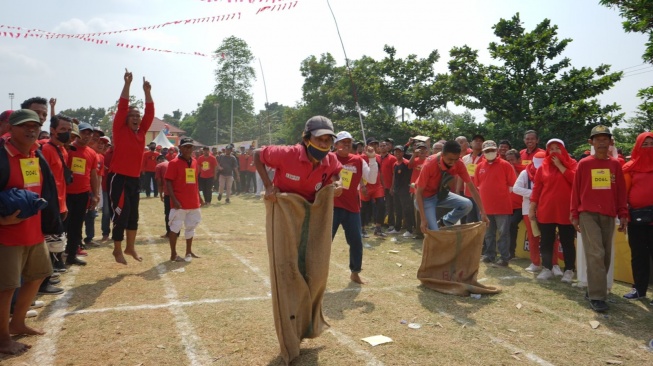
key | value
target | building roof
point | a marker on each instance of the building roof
(158, 125)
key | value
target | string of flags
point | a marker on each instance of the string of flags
(19, 32)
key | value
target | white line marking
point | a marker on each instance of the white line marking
(353, 346)
(45, 349)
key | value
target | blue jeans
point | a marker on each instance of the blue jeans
(460, 207)
(106, 214)
(500, 223)
(351, 223)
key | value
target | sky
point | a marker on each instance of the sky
(81, 73)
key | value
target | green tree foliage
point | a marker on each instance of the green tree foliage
(639, 18)
(530, 85)
(91, 115)
(174, 118)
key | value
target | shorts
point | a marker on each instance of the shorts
(29, 262)
(189, 219)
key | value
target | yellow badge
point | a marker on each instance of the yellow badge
(600, 178)
(79, 166)
(345, 177)
(31, 172)
(526, 162)
(471, 169)
(190, 176)
(205, 165)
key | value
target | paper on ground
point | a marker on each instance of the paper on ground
(377, 339)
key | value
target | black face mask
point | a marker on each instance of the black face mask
(63, 137)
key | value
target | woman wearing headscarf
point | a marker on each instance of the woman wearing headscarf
(550, 202)
(638, 173)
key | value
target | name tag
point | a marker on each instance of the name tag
(31, 172)
(471, 169)
(79, 166)
(345, 177)
(205, 165)
(600, 178)
(190, 176)
(526, 162)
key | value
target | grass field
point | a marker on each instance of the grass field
(216, 310)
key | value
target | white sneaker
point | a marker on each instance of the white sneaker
(568, 276)
(533, 268)
(31, 314)
(557, 271)
(188, 258)
(393, 231)
(37, 304)
(408, 234)
(546, 274)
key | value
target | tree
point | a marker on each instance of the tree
(639, 18)
(531, 86)
(234, 75)
(173, 119)
(89, 115)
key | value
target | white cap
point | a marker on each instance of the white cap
(343, 135)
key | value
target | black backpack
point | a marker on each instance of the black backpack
(50, 216)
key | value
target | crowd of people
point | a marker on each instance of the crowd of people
(381, 188)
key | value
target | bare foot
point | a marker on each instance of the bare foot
(24, 329)
(177, 258)
(119, 257)
(163, 236)
(192, 255)
(356, 278)
(13, 348)
(134, 254)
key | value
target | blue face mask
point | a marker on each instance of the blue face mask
(317, 153)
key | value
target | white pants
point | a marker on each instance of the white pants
(189, 219)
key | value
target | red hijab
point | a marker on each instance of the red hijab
(641, 159)
(564, 157)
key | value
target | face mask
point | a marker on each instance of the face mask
(537, 162)
(490, 156)
(152, 148)
(316, 152)
(63, 137)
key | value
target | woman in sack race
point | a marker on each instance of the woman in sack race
(638, 173)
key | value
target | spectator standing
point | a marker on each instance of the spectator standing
(471, 161)
(403, 207)
(227, 170)
(638, 174)
(598, 196)
(387, 167)
(106, 202)
(530, 140)
(550, 202)
(416, 162)
(207, 164)
(374, 191)
(244, 160)
(159, 176)
(514, 158)
(149, 164)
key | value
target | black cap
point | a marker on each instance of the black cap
(370, 140)
(390, 140)
(400, 147)
(186, 141)
(478, 136)
(357, 143)
(98, 130)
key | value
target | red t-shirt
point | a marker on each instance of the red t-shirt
(149, 161)
(81, 162)
(374, 190)
(27, 232)
(518, 200)
(251, 167)
(552, 193)
(639, 195)
(50, 154)
(108, 155)
(599, 187)
(243, 162)
(494, 181)
(387, 170)
(295, 172)
(429, 178)
(527, 157)
(184, 182)
(351, 175)
(416, 165)
(170, 156)
(100, 165)
(128, 145)
(207, 165)
(160, 174)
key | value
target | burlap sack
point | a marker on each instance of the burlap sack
(299, 248)
(450, 259)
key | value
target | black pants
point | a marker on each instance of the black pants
(124, 199)
(403, 207)
(206, 187)
(379, 210)
(244, 181)
(149, 182)
(640, 240)
(390, 208)
(166, 212)
(367, 210)
(77, 204)
(515, 219)
(567, 234)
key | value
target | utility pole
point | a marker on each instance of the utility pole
(217, 122)
(11, 100)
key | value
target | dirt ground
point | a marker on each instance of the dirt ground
(216, 310)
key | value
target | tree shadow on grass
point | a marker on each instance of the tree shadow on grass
(307, 357)
(335, 304)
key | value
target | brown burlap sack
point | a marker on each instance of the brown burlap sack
(299, 248)
(450, 259)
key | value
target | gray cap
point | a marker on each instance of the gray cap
(489, 144)
(319, 125)
(85, 126)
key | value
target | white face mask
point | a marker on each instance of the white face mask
(537, 162)
(490, 156)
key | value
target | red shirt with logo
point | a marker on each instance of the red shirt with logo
(160, 174)
(351, 175)
(81, 162)
(149, 161)
(527, 157)
(24, 173)
(184, 175)
(295, 172)
(387, 170)
(207, 166)
(599, 187)
(416, 165)
(494, 180)
(49, 151)
(128, 145)
(429, 178)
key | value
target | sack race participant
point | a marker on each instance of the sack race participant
(299, 220)
(450, 260)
